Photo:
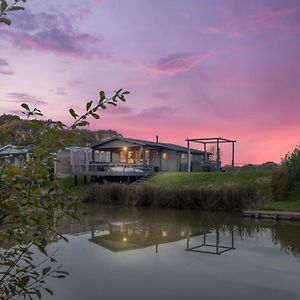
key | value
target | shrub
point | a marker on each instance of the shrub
(287, 176)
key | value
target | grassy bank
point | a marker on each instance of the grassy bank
(79, 191)
(226, 197)
(290, 203)
(212, 191)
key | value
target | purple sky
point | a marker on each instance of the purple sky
(194, 68)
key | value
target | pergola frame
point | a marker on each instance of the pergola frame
(206, 141)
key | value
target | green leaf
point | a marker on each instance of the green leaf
(96, 116)
(23, 281)
(15, 8)
(88, 105)
(3, 5)
(102, 96)
(25, 106)
(5, 20)
(73, 113)
(82, 123)
(48, 290)
(46, 270)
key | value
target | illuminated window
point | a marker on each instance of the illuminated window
(183, 155)
(123, 157)
(164, 155)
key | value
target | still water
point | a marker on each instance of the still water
(122, 253)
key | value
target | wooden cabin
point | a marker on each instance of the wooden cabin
(157, 156)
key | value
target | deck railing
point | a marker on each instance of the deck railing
(110, 168)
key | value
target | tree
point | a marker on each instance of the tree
(32, 204)
(19, 132)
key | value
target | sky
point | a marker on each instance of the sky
(194, 68)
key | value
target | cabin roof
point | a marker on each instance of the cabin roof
(14, 150)
(138, 142)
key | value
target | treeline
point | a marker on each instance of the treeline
(20, 132)
(267, 166)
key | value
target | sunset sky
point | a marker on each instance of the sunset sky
(194, 68)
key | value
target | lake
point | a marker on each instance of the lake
(144, 253)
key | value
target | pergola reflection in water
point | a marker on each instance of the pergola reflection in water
(211, 248)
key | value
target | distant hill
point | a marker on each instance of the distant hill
(17, 131)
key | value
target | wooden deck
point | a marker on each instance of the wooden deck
(277, 215)
(111, 170)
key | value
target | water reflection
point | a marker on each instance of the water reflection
(211, 248)
(125, 229)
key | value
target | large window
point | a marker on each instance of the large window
(164, 155)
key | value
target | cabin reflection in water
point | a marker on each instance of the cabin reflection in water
(124, 236)
(124, 229)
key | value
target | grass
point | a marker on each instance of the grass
(78, 192)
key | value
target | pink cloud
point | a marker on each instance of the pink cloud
(274, 14)
(243, 25)
(4, 67)
(176, 63)
(17, 97)
(53, 33)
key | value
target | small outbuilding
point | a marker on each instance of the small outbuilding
(16, 154)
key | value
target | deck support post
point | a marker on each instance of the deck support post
(84, 179)
(205, 152)
(93, 155)
(75, 180)
(189, 156)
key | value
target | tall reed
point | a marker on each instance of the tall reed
(229, 197)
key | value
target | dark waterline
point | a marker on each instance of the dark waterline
(123, 253)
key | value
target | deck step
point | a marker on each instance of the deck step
(144, 179)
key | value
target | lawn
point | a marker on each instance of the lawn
(200, 179)
(260, 179)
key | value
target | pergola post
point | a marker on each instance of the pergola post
(144, 158)
(189, 157)
(232, 161)
(218, 156)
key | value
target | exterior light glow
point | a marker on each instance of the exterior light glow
(125, 148)
(124, 239)
(164, 233)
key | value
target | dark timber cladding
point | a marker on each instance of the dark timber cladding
(206, 141)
